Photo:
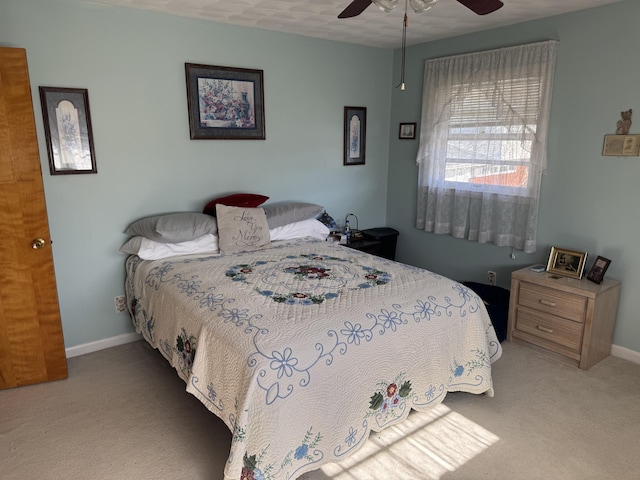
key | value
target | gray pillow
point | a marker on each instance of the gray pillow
(279, 214)
(174, 227)
(241, 229)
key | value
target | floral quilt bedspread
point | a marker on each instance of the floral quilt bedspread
(305, 347)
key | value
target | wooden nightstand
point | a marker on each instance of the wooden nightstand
(570, 318)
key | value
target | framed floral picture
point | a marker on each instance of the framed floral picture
(67, 129)
(225, 103)
(355, 135)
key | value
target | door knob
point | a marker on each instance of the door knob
(37, 243)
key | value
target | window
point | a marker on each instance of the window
(482, 149)
(483, 144)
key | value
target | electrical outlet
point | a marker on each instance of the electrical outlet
(121, 303)
(491, 277)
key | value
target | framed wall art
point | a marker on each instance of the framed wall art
(355, 135)
(621, 146)
(67, 129)
(569, 263)
(407, 131)
(596, 274)
(225, 103)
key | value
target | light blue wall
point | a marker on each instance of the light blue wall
(132, 63)
(589, 202)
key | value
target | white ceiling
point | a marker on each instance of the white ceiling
(318, 18)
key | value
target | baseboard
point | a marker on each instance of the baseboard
(102, 344)
(625, 353)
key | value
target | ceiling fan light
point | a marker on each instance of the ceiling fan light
(420, 6)
(385, 5)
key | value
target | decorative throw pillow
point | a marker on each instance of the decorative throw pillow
(173, 227)
(242, 229)
(249, 200)
(279, 214)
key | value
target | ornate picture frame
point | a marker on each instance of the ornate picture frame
(67, 129)
(569, 263)
(355, 135)
(225, 103)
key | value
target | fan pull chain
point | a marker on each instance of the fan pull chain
(405, 24)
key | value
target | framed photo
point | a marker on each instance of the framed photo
(407, 131)
(569, 263)
(621, 145)
(67, 129)
(355, 135)
(596, 274)
(225, 103)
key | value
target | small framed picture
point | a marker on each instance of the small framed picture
(225, 103)
(569, 263)
(355, 135)
(67, 130)
(621, 146)
(407, 131)
(596, 274)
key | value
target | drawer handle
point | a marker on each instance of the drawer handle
(547, 303)
(544, 329)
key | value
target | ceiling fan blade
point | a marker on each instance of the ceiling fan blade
(482, 7)
(355, 8)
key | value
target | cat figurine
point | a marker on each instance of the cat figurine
(625, 124)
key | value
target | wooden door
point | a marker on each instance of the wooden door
(31, 343)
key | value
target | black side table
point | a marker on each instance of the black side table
(379, 241)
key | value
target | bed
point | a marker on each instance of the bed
(303, 347)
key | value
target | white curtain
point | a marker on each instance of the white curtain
(483, 144)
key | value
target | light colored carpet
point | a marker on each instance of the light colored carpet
(123, 414)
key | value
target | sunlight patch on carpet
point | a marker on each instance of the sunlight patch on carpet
(426, 445)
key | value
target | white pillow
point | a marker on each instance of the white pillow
(305, 228)
(148, 249)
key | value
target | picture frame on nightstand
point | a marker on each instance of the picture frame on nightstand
(569, 263)
(596, 274)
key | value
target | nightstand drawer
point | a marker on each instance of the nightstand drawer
(368, 246)
(553, 301)
(554, 329)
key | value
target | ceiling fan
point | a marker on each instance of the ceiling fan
(356, 7)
